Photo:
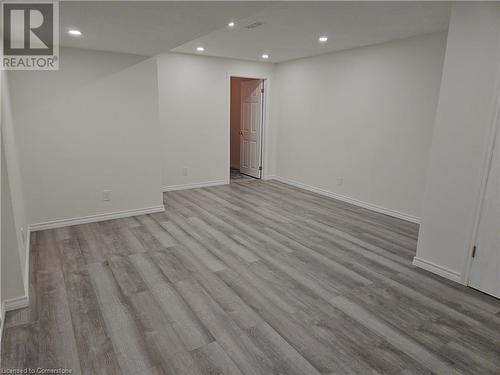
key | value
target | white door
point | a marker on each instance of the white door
(485, 268)
(250, 127)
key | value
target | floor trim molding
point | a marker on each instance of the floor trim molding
(369, 206)
(194, 185)
(16, 303)
(95, 218)
(437, 269)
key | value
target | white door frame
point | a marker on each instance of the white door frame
(264, 174)
(487, 161)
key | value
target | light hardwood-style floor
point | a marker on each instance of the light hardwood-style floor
(250, 278)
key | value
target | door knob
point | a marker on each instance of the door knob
(241, 133)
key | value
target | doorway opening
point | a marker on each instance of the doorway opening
(246, 128)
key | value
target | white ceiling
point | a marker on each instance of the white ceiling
(145, 27)
(290, 29)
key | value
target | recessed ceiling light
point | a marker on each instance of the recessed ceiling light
(323, 39)
(265, 56)
(231, 24)
(200, 49)
(74, 32)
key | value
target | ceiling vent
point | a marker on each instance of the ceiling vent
(255, 25)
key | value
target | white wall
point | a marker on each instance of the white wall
(194, 116)
(462, 133)
(13, 216)
(91, 126)
(12, 273)
(364, 115)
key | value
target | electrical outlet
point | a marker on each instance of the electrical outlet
(106, 195)
(340, 181)
(184, 171)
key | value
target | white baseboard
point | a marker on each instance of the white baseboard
(16, 303)
(369, 206)
(194, 185)
(94, 218)
(437, 269)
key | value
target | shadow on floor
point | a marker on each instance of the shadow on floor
(236, 176)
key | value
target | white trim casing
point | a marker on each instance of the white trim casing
(266, 121)
(27, 263)
(369, 206)
(95, 218)
(438, 270)
(194, 185)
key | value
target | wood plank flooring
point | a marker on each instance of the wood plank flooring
(249, 278)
